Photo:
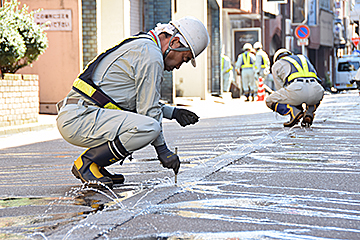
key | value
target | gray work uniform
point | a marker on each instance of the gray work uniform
(131, 76)
(296, 93)
(227, 72)
(247, 72)
(262, 67)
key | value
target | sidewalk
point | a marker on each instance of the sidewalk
(45, 129)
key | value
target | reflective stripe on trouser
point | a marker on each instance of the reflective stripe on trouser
(285, 109)
(92, 126)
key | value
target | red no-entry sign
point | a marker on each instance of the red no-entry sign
(302, 32)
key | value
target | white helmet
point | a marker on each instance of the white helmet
(257, 45)
(281, 53)
(247, 46)
(195, 34)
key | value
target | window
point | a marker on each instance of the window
(348, 66)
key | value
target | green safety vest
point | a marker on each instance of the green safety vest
(85, 86)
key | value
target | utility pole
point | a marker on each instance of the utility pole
(262, 40)
(283, 25)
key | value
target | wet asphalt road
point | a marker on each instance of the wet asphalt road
(242, 177)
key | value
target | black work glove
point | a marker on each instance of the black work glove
(185, 117)
(167, 158)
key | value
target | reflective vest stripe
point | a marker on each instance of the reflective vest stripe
(222, 66)
(95, 95)
(301, 71)
(85, 86)
(246, 61)
(229, 69)
(265, 63)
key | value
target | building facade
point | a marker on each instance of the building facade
(96, 25)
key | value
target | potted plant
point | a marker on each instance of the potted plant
(22, 41)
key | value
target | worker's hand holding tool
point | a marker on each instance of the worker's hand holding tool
(185, 117)
(167, 158)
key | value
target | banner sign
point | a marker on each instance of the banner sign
(244, 35)
(55, 20)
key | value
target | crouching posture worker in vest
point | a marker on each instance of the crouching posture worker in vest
(296, 83)
(113, 108)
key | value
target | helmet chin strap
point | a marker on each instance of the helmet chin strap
(180, 49)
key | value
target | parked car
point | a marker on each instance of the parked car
(346, 69)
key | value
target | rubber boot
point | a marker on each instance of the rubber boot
(309, 115)
(295, 112)
(116, 178)
(89, 166)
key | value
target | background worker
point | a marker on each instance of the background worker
(244, 66)
(227, 72)
(128, 77)
(296, 83)
(262, 62)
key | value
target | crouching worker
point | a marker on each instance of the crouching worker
(113, 108)
(296, 83)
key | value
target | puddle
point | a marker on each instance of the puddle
(17, 202)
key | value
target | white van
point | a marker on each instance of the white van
(346, 69)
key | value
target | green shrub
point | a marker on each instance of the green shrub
(22, 41)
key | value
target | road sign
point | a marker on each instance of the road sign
(355, 40)
(301, 42)
(302, 32)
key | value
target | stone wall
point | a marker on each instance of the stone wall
(89, 26)
(159, 11)
(19, 99)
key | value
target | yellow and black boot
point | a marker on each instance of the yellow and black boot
(295, 112)
(89, 166)
(117, 178)
(309, 115)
